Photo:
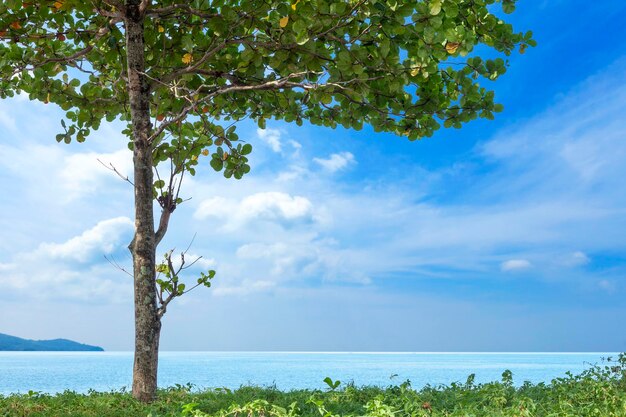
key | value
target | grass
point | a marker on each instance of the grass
(599, 391)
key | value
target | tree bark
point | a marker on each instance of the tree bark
(147, 322)
(143, 246)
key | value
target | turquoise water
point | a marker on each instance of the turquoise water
(52, 372)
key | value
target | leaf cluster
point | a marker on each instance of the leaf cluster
(168, 280)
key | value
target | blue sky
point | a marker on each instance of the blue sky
(506, 235)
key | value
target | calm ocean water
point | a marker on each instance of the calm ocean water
(80, 371)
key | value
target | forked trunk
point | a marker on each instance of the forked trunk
(143, 246)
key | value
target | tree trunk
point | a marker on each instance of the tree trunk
(143, 246)
(147, 322)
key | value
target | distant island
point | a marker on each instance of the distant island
(12, 343)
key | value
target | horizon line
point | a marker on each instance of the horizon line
(366, 352)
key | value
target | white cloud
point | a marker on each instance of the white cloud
(7, 121)
(202, 262)
(305, 256)
(515, 265)
(272, 137)
(276, 204)
(294, 172)
(577, 258)
(575, 149)
(245, 288)
(607, 285)
(336, 161)
(75, 269)
(6, 267)
(260, 251)
(219, 207)
(8, 118)
(101, 239)
(284, 260)
(67, 176)
(271, 206)
(85, 173)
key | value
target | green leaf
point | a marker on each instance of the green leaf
(332, 384)
(246, 149)
(435, 7)
(217, 164)
(508, 6)
(384, 47)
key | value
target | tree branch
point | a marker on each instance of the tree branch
(113, 262)
(168, 10)
(192, 68)
(110, 167)
(143, 6)
(106, 13)
(163, 223)
(174, 279)
(71, 59)
(268, 85)
(116, 4)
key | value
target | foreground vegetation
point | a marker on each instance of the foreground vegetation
(599, 392)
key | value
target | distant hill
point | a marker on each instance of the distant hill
(13, 343)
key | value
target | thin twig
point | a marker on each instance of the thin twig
(191, 243)
(117, 265)
(110, 167)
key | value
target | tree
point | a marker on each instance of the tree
(182, 74)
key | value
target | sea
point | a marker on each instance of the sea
(53, 372)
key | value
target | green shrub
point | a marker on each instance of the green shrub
(599, 391)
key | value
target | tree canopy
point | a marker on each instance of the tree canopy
(396, 65)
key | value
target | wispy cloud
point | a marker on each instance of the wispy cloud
(515, 265)
(336, 161)
(102, 239)
(575, 259)
(270, 206)
(86, 172)
(272, 137)
(6, 121)
(246, 287)
(73, 270)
